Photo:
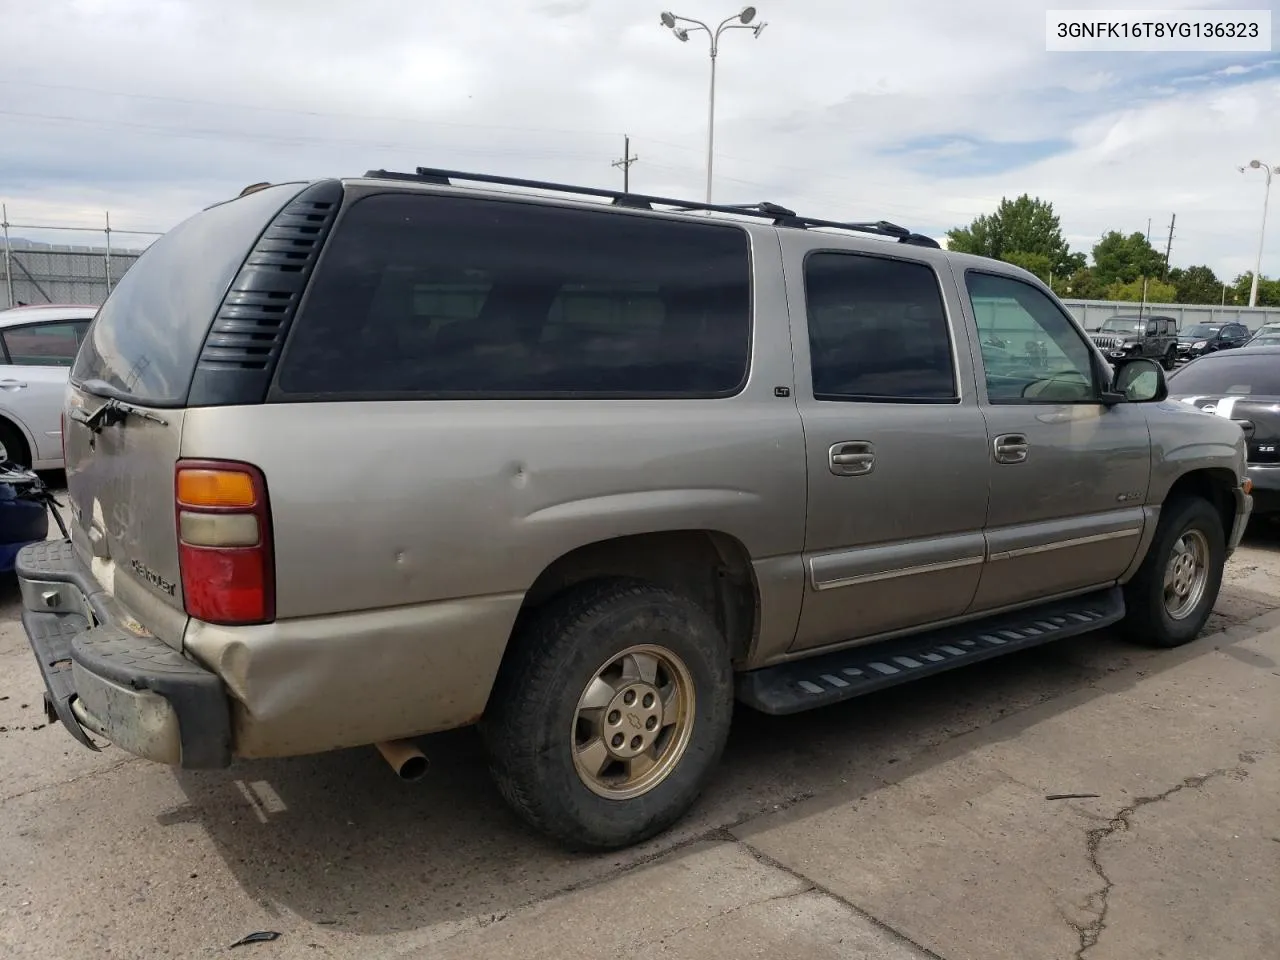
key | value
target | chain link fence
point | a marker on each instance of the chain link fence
(32, 272)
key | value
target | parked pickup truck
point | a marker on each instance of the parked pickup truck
(356, 460)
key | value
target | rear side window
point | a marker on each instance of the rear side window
(877, 330)
(147, 336)
(1232, 372)
(44, 344)
(430, 296)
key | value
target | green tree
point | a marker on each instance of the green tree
(1125, 259)
(1196, 285)
(1082, 285)
(1021, 227)
(1157, 292)
(1037, 263)
(1268, 290)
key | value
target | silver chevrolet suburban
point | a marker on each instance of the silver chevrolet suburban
(352, 461)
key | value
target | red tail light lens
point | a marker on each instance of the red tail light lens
(224, 542)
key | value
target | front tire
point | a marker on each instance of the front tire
(1171, 359)
(1173, 592)
(609, 713)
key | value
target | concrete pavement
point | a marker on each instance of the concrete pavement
(963, 855)
(912, 823)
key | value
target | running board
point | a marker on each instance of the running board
(799, 685)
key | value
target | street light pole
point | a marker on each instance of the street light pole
(1266, 197)
(739, 21)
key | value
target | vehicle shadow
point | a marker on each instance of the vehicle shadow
(337, 840)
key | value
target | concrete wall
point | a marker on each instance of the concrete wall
(1091, 313)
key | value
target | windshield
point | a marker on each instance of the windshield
(1230, 372)
(1122, 325)
(1202, 330)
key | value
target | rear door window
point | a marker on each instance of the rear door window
(430, 296)
(43, 344)
(147, 336)
(877, 330)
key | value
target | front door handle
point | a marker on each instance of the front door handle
(10, 384)
(1010, 448)
(852, 458)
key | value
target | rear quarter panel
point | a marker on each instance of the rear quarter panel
(406, 533)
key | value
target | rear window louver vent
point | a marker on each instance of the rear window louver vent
(250, 326)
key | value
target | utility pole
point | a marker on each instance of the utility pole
(625, 163)
(1143, 306)
(1168, 247)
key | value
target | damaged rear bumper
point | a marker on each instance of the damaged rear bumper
(102, 676)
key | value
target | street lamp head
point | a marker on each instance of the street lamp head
(668, 19)
(747, 15)
(682, 35)
(1255, 164)
(759, 28)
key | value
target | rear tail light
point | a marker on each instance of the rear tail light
(224, 542)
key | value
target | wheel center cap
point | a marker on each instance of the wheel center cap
(633, 720)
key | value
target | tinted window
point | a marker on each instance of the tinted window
(146, 337)
(1234, 372)
(877, 330)
(450, 296)
(44, 344)
(1031, 352)
(1203, 330)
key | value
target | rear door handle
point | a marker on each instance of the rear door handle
(1010, 448)
(852, 458)
(10, 384)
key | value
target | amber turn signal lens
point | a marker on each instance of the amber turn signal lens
(215, 488)
(1247, 486)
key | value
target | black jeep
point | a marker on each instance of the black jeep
(1127, 338)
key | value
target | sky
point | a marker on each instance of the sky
(924, 112)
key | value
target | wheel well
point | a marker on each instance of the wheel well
(21, 435)
(710, 568)
(1215, 486)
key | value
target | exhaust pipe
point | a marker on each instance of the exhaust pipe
(406, 759)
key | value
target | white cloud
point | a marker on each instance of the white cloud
(814, 114)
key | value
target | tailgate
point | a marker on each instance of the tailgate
(120, 480)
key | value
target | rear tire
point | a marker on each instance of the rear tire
(1173, 592)
(14, 443)
(609, 713)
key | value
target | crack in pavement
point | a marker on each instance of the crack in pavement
(845, 902)
(1122, 822)
(811, 888)
(70, 780)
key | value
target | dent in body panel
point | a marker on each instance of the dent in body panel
(463, 498)
(324, 683)
(120, 485)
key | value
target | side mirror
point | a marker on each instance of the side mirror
(1137, 381)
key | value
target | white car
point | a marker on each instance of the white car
(38, 344)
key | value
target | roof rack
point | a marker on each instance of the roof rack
(781, 216)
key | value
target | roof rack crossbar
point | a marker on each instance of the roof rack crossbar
(780, 215)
